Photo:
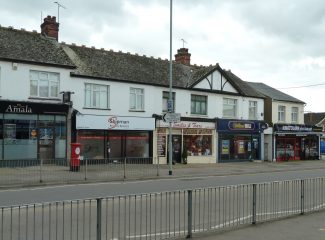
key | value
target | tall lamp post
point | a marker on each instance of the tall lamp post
(170, 102)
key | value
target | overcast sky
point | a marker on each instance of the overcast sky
(278, 42)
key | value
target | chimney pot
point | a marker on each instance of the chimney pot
(50, 27)
(183, 56)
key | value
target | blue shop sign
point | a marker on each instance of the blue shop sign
(296, 128)
(240, 125)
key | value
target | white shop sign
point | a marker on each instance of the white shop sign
(114, 123)
(188, 124)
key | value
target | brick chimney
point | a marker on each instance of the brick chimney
(183, 56)
(50, 27)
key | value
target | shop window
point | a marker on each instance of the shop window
(229, 108)
(199, 104)
(252, 110)
(137, 99)
(238, 147)
(165, 101)
(92, 144)
(20, 136)
(281, 113)
(294, 114)
(197, 142)
(96, 96)
(44, 84)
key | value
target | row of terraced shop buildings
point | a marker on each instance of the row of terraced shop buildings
(54, 94)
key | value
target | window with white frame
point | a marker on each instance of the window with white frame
(44, 84)
(294, 114)
(229, 108)
(96, 96)
(137, 99)
(281, 113)
(199, 104)
(165, 99)
(252, 110)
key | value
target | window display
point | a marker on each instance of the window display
(198, 142)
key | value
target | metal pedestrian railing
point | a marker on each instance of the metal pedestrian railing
(164, 215)
(31, 172)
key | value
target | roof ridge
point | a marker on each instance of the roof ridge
(11, 28)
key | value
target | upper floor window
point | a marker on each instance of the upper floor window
(137, 99)
(199, 104)
(165, 101)
(294, 114)
(281, 113)
(96, 96)
(44, 84)
(229, 107)
(252, 110)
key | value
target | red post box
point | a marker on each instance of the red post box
(75, 157)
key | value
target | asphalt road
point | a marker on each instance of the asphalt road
(82, 191)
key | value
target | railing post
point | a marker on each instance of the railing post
(157, 166)
(302, 197)
(189, 213)
(86, 164)
(99, 219)
(124, 169)
(40, 170)
(254, 205)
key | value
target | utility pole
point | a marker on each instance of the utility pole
(170, 104)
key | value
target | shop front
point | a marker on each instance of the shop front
(240, 140)
(192, 142)
(296, 142)
(114, 138)
(33, 131)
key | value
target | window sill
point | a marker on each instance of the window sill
(198, 115)
(131, 110)
(90, 108)
(44, 98)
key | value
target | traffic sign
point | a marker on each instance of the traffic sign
(170, 105)
(171, 117)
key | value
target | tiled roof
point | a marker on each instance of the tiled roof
(31, 47)
(273, 93)
(127, 67)
(314, 118)
(243, 87)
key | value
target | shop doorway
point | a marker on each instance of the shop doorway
(176, 149)
(46, 144)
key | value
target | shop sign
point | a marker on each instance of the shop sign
(32, 107)
(18, 108)
(188, 124)
(98, 122)
(239, 125)
(296, 128)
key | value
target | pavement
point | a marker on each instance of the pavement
(309, 226)
(302, 227)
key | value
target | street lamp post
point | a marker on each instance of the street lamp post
(171, 104)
